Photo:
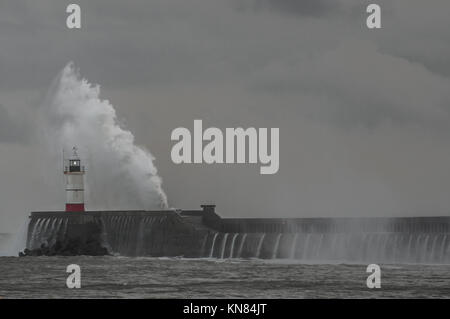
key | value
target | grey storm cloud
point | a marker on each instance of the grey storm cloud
(312, 8)
(10, 130)
(5, 126)
(176, 41)
(355, 84)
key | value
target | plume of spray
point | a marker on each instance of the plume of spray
(120, 174)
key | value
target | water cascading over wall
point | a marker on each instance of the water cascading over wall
(340, 247)
(150, 234)
(133, 233)
(378, 240)
(205, 234)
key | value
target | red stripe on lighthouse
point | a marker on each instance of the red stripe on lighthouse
(74, 207)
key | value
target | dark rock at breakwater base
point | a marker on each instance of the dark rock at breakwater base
(70, 247)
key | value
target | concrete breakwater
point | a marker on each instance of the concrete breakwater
(203, 233)
(128, 233)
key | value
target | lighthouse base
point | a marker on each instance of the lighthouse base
(74, 207)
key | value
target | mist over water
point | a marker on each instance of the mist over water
(120, 174)
(11, 244)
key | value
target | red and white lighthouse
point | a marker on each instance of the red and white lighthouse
(74, 176)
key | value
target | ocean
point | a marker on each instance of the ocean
(145, 277)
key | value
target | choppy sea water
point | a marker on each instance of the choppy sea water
(121, 277)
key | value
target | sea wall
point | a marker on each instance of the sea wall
(203, 233)
(323, 225)
(128, 233)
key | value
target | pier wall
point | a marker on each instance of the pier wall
(203, 233)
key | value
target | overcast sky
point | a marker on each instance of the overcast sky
(363, 114)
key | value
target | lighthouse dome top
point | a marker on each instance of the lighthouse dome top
(75, 153)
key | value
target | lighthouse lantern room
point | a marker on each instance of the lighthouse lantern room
(74, 178)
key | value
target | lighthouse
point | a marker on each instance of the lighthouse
(74, 177)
